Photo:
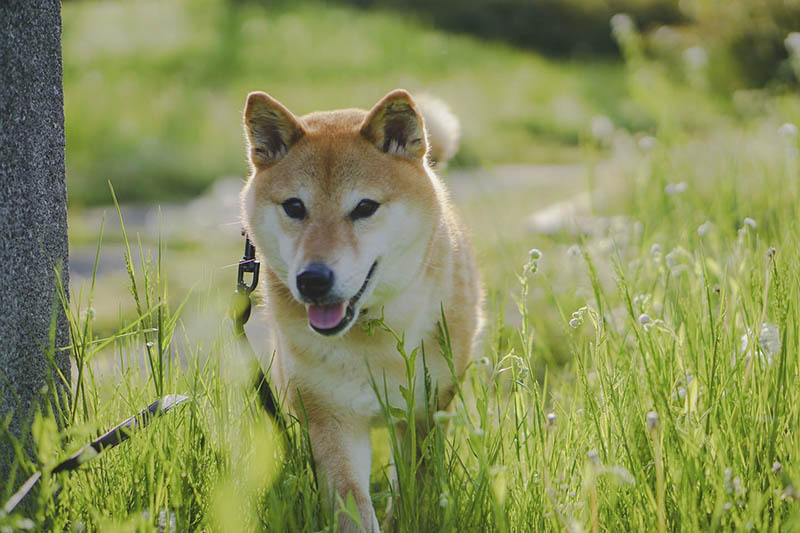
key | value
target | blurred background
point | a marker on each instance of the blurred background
(557, 100)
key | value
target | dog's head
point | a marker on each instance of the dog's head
(340, 204)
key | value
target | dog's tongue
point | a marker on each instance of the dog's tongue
(326, 316)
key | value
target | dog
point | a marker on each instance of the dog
(351, 224)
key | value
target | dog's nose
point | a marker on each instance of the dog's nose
(315, 281)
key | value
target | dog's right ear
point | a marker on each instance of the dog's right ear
(271, 129)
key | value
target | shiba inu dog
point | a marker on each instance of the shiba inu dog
(352, 223)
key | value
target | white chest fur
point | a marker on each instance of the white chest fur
(346, 372)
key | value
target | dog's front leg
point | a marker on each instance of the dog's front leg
(342, 453)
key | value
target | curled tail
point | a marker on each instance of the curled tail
(442, 128)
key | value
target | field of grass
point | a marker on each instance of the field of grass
(158, 111)
(637, 376)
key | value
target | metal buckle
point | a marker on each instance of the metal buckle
(248, 265)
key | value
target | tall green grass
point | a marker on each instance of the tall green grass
(676, 407)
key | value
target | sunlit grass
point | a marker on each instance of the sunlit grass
(612, 357)
(154, 90)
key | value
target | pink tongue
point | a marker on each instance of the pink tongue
(326, 316)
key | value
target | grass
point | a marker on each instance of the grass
(158, 112)
(669, 413)
(635, 378)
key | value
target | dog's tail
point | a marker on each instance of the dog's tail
(442, 128)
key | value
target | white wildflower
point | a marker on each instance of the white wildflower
(769, 343)
(704, 228)
(647, 143)
(788, 130)
(644, 318)
(602, 129)
(577, 319)
(444, 500)
(655, 249)
(750, 222)
(792, 43)
(696, 57)
(769, 340)
(622, 26)
(676, 188)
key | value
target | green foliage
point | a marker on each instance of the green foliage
(154, 90)
(559, 27)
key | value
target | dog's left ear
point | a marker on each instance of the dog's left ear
(395, 126)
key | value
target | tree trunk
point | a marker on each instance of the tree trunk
(33, 217)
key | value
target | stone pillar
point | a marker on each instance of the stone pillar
(33, 212)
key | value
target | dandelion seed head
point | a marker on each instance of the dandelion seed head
(788, 130)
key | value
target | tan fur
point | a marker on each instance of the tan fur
(331, 160)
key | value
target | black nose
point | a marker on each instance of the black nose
(315, 281)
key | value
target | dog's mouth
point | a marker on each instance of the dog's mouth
(330, 319)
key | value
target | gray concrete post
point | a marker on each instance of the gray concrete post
(33, 210)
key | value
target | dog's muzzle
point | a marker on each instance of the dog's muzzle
(331, 319)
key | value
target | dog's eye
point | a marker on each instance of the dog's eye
(294, 208)
(365, 208)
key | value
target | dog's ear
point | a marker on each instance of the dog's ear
(271, 129)
(395, 126)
